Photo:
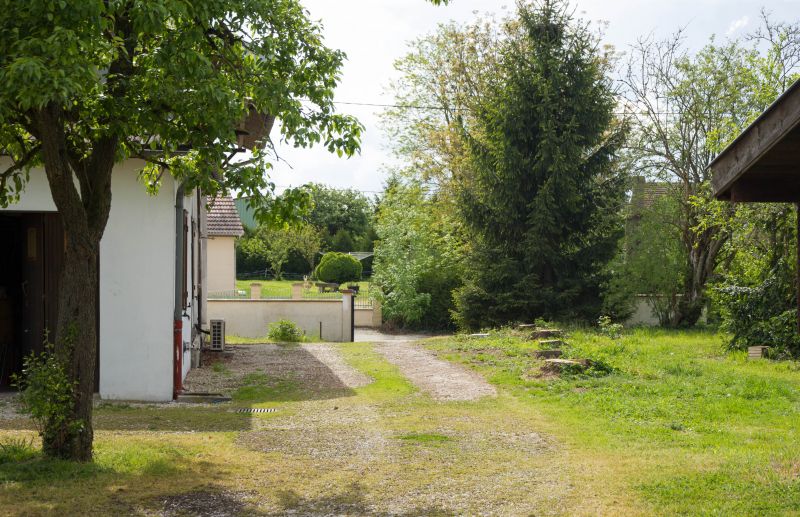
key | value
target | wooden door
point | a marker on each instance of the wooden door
(32, 286)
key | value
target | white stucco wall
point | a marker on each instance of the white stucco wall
(137, 268)
(251, 318)
(221, 263)
(137, 256)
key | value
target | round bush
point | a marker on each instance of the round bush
(338, 268)
(286, 331)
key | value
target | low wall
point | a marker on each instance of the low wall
(251, 318)
(643, 313)
(369, 317)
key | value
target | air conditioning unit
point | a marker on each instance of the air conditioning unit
(218, 335)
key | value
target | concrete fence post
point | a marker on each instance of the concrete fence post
(255, 291)
(347, 314)
(297, 291)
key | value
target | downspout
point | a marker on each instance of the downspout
(177, 326)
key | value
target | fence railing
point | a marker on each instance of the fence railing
(289, 291)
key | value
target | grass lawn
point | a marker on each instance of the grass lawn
(665, 424)
(676, 426)
(283, 288)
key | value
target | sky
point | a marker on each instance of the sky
(374, 33)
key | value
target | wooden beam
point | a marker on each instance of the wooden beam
(755, 141)
(749, 190)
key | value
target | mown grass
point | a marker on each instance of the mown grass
(666, 423)
(283, 288)
(670, 417)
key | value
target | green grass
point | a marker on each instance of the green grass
(425, 438)
(239, 340)
(669, 416)
(666, 423)
(283, 288)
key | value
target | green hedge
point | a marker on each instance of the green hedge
(338, 268)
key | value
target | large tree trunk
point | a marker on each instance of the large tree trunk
(76, 344)
(84, 215)
(703, 255)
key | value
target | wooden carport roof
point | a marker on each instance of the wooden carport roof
(763, 163)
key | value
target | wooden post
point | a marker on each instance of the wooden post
(797, 272)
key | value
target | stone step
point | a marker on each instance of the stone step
(546, 333)
(547, 354)
(479, 336)
(559, 365)
(551, 343)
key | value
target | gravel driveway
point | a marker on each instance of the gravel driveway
(318, 366)
(440, 379)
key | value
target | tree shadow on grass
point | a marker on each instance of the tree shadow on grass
(268, 375)
(351, 500)
(130, 478)
(272, 373)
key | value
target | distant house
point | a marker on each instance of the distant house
(644, 194)
(224, 227)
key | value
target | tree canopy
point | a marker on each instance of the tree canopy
(85, 84)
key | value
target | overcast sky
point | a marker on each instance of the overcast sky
(374, 33)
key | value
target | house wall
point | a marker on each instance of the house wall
(221, 264)
(251, 318)
(137, 278)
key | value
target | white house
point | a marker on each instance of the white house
(224, 227)
(152, 269)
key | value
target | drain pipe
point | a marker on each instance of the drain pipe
(177, 328)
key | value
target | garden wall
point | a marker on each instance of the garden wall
(251, 318)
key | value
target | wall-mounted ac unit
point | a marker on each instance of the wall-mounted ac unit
(218, 335)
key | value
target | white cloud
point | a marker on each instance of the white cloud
(735, 25)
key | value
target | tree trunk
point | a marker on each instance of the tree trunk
(76, 344)
(84, 215)
(703, 257)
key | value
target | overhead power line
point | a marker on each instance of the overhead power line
(441, 108)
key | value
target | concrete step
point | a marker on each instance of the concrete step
(546, 333)
(547, 354)
(551, 343)
(559, 365)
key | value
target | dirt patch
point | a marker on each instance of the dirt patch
(208, 503)
(318, 367)
(440, 379)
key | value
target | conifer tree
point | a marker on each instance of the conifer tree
(542, 194)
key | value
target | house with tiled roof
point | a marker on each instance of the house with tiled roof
(224, 227)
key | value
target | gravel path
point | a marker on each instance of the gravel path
(440, 379)
(318, 366)
(8, 406)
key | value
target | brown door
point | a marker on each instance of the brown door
(43, 258)
(32, 287)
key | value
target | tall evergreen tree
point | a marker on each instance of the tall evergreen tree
(541, 198)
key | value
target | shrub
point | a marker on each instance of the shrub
(760, 315)
(609, 328)
(286, 331)
(47, 395)
(338, 268)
